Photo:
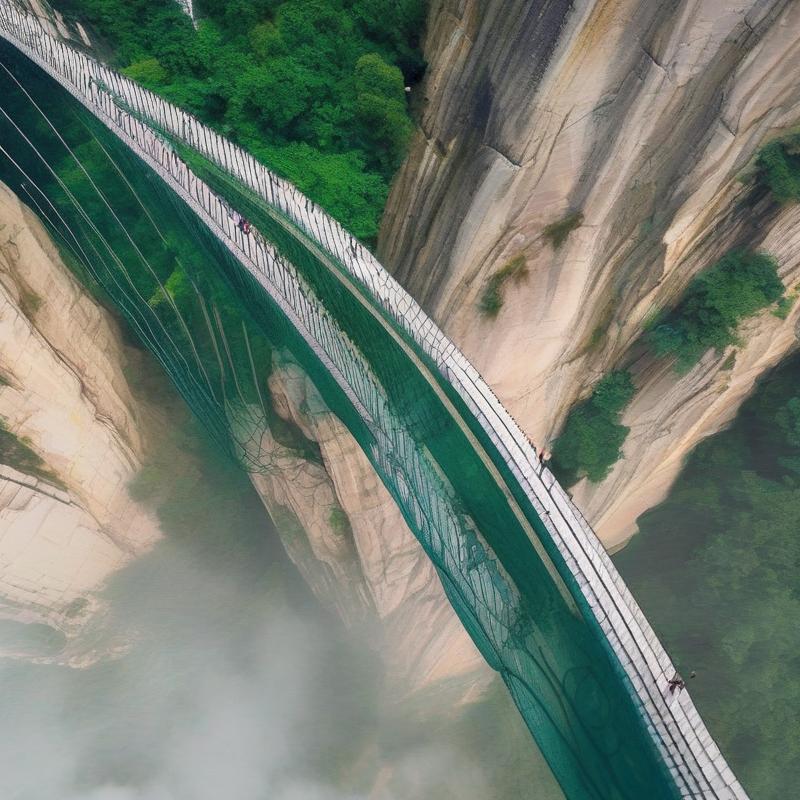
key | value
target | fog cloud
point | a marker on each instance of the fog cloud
(228, 692)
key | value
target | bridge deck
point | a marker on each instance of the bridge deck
(693, 759)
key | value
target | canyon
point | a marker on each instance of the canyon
(637, 121)
(634, 124)
(74, 437)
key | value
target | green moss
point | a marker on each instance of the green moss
(600, 332)
(339, 521)
(715, 302)
(592, 438)
(29, 302)
(557, 232)
(492, 298)
(597, 338)
(646, 227)
(16, 452)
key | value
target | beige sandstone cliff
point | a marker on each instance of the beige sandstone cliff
(641, 116)
(67, 524)
(351, 544)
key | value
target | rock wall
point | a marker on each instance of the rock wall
(640, 116)
(74, 436)
(353, 547)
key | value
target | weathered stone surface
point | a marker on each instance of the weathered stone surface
(641, 116)
(63, 393)
(365, 562)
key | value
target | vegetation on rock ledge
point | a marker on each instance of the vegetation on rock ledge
(592, 438)
(17, 453)
(557, 232)
(492, 297)
(778, 166)
(715, 302)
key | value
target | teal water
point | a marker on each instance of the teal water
(213, 330)
(716, 568)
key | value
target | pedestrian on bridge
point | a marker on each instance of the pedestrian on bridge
(677, 683)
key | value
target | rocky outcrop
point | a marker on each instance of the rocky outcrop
(347, 536)
(634, 120)
(670, 414)
(72, 437)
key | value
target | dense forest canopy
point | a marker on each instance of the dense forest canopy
(313, 88)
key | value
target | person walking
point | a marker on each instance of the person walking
(676, 683)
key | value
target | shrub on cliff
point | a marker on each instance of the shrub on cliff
(715, 302)
(592, 438)
(557, 232)
(778, 166)
(492, 298)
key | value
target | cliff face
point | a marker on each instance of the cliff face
(639, 116)
(73, 434)
(347, 536)
(71, 438)
(633, 120)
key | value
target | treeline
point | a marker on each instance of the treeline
(315, 89)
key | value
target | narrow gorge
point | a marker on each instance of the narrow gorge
(574, 167)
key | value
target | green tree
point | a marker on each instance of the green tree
(282, 77)
(592, 439)
(276, 95)
(381, 108)
(779, 168)
(266, 41)
(737, 286)
(148, 72)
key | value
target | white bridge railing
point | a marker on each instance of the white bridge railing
(692, 757)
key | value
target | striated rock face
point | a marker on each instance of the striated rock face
(640, 116)
(55, 24)
(350, 542)
(670, 414)
(71, 436)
